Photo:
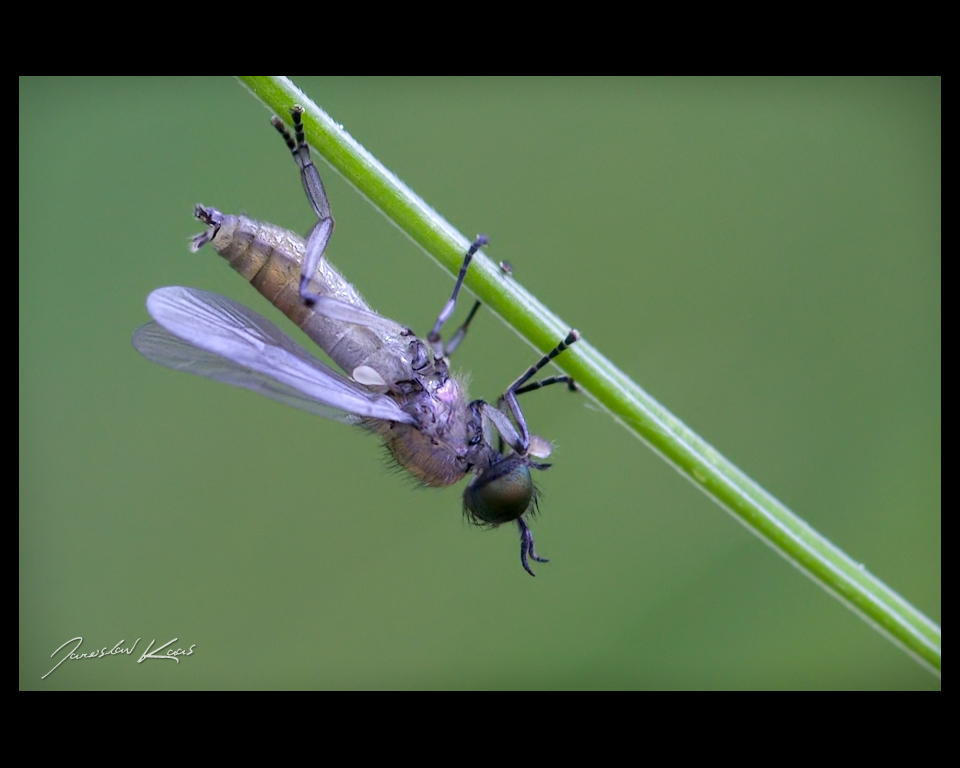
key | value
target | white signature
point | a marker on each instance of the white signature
(171, 654)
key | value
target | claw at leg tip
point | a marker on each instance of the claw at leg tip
(527, 547)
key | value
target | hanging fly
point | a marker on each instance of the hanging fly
(397, 385)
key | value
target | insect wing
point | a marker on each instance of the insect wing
(215, 337)
(156, 343)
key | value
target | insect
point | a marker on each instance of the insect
(397, 385)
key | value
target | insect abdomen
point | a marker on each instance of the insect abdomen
(271, 258)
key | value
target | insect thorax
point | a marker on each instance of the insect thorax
(442, 447)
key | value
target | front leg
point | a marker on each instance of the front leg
(526, 547)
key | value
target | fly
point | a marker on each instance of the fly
(397, 385)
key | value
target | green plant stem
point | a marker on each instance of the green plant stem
(750, 504)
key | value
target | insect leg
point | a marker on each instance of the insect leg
(434, 336)
(301, 155)
(526, 547)
(510, 396)
(455, 340)
(320, 233)
(563, 379)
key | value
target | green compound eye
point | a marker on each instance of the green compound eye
(501, 494)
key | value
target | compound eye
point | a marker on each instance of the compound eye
(501, 494)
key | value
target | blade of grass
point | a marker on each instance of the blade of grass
(641, 414)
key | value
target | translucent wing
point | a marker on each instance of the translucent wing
(212, 336)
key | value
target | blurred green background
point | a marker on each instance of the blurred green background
(763, 256)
